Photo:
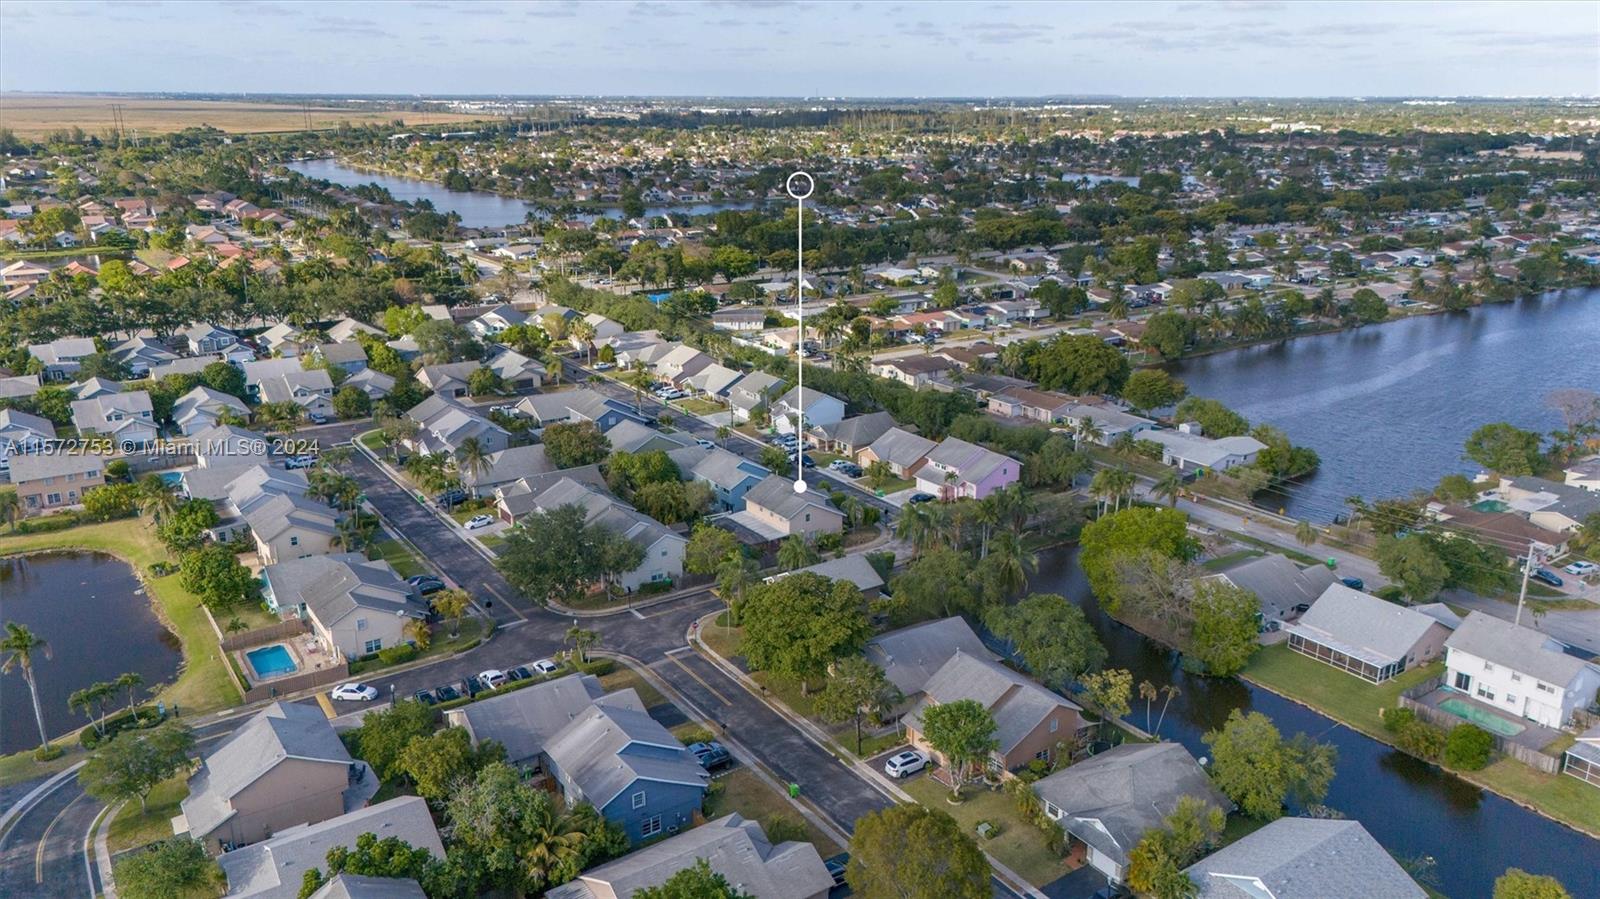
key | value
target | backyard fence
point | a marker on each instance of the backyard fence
(284, 686)
(1533, 758)
(256, 636)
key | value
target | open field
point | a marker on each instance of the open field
(33, 115)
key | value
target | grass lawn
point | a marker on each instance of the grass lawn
(203, 683)
(743, 792)
(396, 554)
(892, 485)
(373, 440)
(1296, 555)
(623, 677)
(724, 641)
(1560, 796)
(131, 829)
(1222, 563)
(1342, 696)
(21, 766)
(1019, 845)
(442, 645)
(698, 406)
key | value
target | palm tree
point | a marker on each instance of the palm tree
(10, 505)
(916, 527)
(1169, 486)
(452, 604)
(1086, 429)
(1170, 690)
(1148, 692)
(472, 459)
(736, 575)
(554, 843)
(583, 329)
(156, 498)
(84, 700)
(723, 433)
(1012, 564)
(581, 640)
(638, 377)
(797, 551)
(1305, 533)
(1017, 507)
(130, 681)
(878, 474)
(22, 648)
(985, 513)
(417, 631)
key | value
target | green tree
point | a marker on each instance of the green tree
(224, 377)
(1110, 691)
(1051, 635)
(695, 882)
(23, 648)
(174, 868)
(1256, 768)
(1505, 449)
(1156, 863)
(383, 736)
(709, 547)
(915, 852)
(1080, 364)
(937, 585)
(1152, 388)
(1215, 419)
(1224, 633)
(797, 551)
(964, 733)
(879, 474)
(110, 501)
(521, 840)
(857, 691)
(182, 529)
(452, 604)
(1122, 535)
(1167, 333)
(484, 382)
(1413, 564)
(214, 574)
(436, 763)
(373, 857)
(1368, 307)
(1514, 884)
(352, 402)
(570, 444)
(796, 626)
(131, 765)
(551, 554)
(1468, 747)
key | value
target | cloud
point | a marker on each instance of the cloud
(347, 25)
(566, 9)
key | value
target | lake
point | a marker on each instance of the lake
(1412, 808)
(93, 613)
(1388, 407)
(477, 208)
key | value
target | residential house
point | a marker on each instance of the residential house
(229, 447)
(680, 364)
(1187, 449)
(448, 379)
(285, 523)
(286, 381)
(50, 481)
(357, 886)
(443, 426)
(1281, 584)
(204, 339)
(911, 656)
(629, 436)
(517, 372)
(349, 357)
(1519, 670)
(744, 319)
(141, 354)
(1106, 802)
(957, 469)
(62, 357)
(1031, 721)
(663, 548)
(582, 404)
(1549, 505)
(634, 771)
(19, 387)
(126, 418)
(731, 477)
(284, 767)
(283, 339)
(752, 391)
(714, 380)
(1511, 531)
(852, 435)
(732, 846)
(201, 408)
(817, 408)
(355, 606)
(524, 720)
(504, 467)
(1373, 639)
(854, 568)
(1582, 758)
(95, 387)
(275, 868)
(903, 451)
(375, 384)
(495, 320)
(913, 371)
(773, 511)
(348, 330)
(1303, 858)
(21, 432)
(1034, 405)
(1585, 474)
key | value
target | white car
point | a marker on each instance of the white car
(492, 678)
(354, 693)
(704, 443)
(545, 666)
(905, 764)
(1581, 568)
(478, 521)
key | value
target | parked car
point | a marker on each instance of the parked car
(808, 462)
(545, 666)
(478, 521)
(1581, 569)
(520, 672)
(848, 469)
(704, 443)
(316, 418)
(710, 755)
(905, 764)
(604, 366)
(450, 498)
(1548, 576)
(425, 697)
(294, 462)
(470, 686)
(921, 498)
(447, 693)
(425, 583)
(836, 867)
(1354, 583)
(354, 692)
(492, 678)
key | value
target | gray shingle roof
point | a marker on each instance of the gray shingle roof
(1017, 703)
(356, 886)
(1280, 583)
(1363, 625)
(335, 585)
(523, 720)
(273, 869)
(776, 493)
(1111, 799)
(613, 744)
(855, 569)
(1521, 649)
(1304, 858)
(911, 655)
(902, 447)
(859, 431)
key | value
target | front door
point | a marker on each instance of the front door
(1463, 682)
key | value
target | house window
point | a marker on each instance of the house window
(371, 646)
(294, 541)
(361, 624)
(638, 799)
(1055, 725)
(650, 826)
(1485, 692)
(1488, 666)
(1547, 688)
(1042, 755)
(53, 499)
(1516, 677)
(1511, 698)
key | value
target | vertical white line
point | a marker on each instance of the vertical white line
(800, 341)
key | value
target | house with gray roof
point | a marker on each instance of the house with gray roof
(1031, 722)
(773, 511)
(62, 357)
(1368, 637)
(275, 868)
(1188, 449)
(18, 387)
(447, 379)
(356, 606)
(506, 466)
(958, 469)
(357, 886)
(375, 384)
(617, 758)
(1303, 858)
(444, 425)
(582, 404)
(524, 720)
(803, 407)
(284, 381)
(629, 436)
(663, 547)
(1552, 506)
(350, 357)
(286, 525)
(517, 372)
(21, 432)
(1280, 584)
(47, 481)
(730, 476)
(1518, 670)
(141, 354)
(95, 387)
(853, 568)
(911, 655)
(1108, 801)
(202, 407)
(732, 846)
(285, 766)
(903, 451)
(750, 392)
(126, 418)
(851, 435)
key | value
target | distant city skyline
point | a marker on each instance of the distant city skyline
(801, 49)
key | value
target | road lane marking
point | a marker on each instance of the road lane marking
(680, 649)
(700, 680)
(44, 838)
(636, 613)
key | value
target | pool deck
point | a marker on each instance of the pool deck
(1534, 736)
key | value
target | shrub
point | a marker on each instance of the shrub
(596, 667)
(652, 587)
(396, 655)
(1468, 747)
(1395, 720)
(48, 753)
(696, 734)
(1413, 735)
(144, 716)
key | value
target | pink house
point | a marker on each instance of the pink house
(958, 469)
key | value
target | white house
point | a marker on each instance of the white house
(22, 433)
(1188, 449)
(125, 417)
(1518, 669)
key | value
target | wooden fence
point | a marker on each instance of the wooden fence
(292, 627)
(284, 686)
(1533, 758)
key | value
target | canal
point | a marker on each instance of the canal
(477, 208)
(1388, 407)
(93, 613)
(1412, 808)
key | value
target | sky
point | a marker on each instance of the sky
(806, 49)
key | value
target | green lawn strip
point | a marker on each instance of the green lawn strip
(1238, 827)
(373, 440)
(203, 683)
(623, 677)
(892, 485)
(1294, 554)
(1560, 796)
(697, 406)
(131, 829)
(744, 792)
(1019, 845)
(21, 766)
(403, 560)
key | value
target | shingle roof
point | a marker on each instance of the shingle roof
(911, 655)
(1280, 583)
(854, 568)
(523, 720)
(901, 447)
(280, 731)
(1362, 625)
(1017, 703)
(273, 869)
(356, 886)
(858, 431)
(611, 745)
(776, 493)
(1303, 858)
(1521, 649)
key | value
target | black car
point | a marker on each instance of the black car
(425, 697)
(450, 498)
(710, 755)
(1548, 576)
(836, 867)
(808, 462)
(470, 686)
(425, 583)
(520, 672)
(921, 498)
(447, 693)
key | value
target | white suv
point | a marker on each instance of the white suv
(905, 764)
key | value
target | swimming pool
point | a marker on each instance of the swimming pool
(1491, 505)
(1481, 717)
(272, 661)
(172, 478)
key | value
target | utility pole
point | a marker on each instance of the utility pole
(1527, 569)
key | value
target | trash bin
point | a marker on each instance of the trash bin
(794, 791)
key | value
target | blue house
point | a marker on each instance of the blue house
(730, 477)
(623, 762)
